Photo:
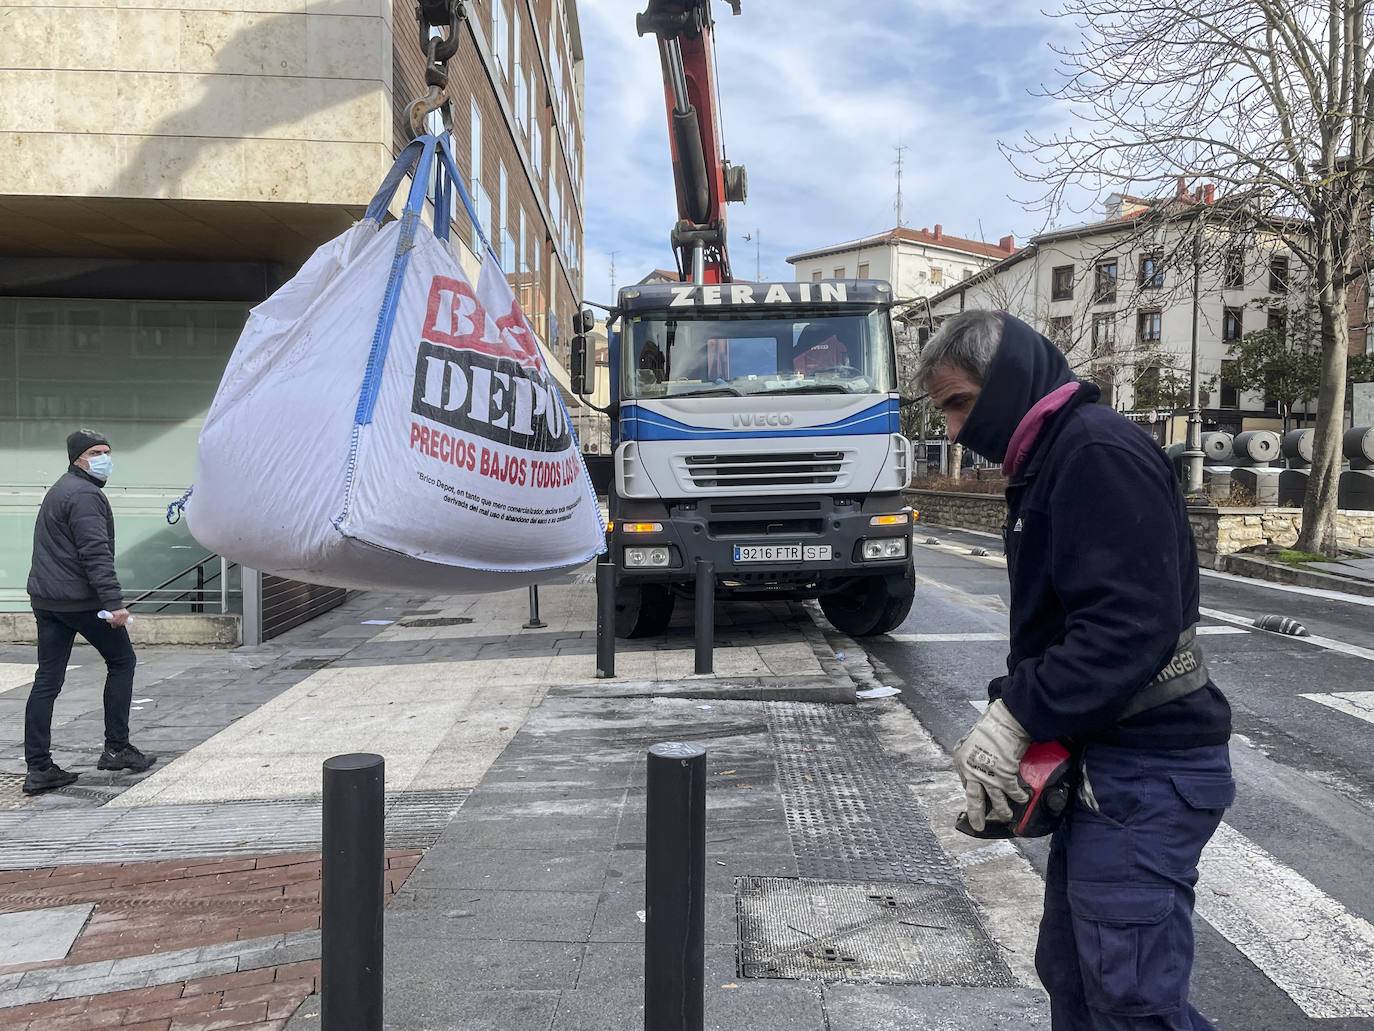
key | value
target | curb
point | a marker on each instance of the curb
(1261, 569)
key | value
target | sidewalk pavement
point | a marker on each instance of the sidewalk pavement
(187, 899)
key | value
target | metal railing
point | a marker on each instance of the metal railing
(211, 575)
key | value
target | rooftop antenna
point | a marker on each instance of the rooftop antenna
(612, 273)
(899, 148)
(756, 238)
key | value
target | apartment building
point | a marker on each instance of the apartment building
(165, 167)
(917, 262)
(1117, 296)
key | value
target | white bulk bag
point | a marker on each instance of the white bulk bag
(383, 423)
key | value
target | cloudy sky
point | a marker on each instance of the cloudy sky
(815, 98)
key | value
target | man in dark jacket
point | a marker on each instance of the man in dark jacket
(74, 590)
(1104, 601)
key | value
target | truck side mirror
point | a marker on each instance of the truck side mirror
(583, 321)
(578, 373)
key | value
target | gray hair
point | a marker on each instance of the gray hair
(966, 341)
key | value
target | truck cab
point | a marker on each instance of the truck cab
(755, 426)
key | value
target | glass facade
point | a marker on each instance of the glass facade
(141, 372)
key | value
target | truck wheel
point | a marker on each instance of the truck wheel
(642, 610)
(870, 607)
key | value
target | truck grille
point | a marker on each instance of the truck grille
(803, 468)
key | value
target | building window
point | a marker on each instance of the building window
(863, 270)
(537, 146)
(1275, 320)
(500, 33)
(1104, 283)
(1104, 334)
(839, 272)
(1061, 283)
(1147, 327)
(1230, 396)
(1061, 332)
(966, 274)
(816, 276)
(1231, 322)
(937, 274)
(1152, 270)
(1278, 274)
(1233, 275)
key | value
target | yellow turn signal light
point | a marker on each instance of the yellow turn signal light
(641, 527)
(889, 520)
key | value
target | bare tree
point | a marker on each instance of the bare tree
(1271, 99)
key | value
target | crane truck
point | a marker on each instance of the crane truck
(754, 424)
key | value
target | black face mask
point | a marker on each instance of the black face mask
(1025, 368)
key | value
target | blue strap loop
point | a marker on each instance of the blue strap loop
(178, 507)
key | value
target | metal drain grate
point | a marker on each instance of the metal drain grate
(28, 839)
(315, 663)
(439, 621)
(849, 813)
(926, 934)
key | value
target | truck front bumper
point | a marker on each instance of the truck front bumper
(806, 546)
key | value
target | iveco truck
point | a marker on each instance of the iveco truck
(755, 425)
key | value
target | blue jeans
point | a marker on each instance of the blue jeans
(1116, 942)
(56, 633)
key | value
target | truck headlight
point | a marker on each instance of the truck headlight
(884, 548)
(641, 558)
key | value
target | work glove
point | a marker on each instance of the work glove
(988, 759)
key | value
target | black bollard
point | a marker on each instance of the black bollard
(706, 615)
(675, 888)
(605, 620)
(352, 884)
(535, 622)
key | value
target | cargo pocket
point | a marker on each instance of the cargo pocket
(1127, 950)
(1205, 791)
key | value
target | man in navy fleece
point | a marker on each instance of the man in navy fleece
(1103, 657)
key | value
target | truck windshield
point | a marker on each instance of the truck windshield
(733, 354)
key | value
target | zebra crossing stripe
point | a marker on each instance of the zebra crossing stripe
(1355, 703)
(1306, 942)
(1321, 642)
(944, 638)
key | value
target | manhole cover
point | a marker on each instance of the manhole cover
(319, 663)
(439, 621)
(888, 933)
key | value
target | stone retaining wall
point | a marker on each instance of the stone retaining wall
(986, 512)
(1224, 531)
(210, 629)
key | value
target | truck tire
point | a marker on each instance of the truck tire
(642, 610)
(872, 606)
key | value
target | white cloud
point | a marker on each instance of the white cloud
(814, 98)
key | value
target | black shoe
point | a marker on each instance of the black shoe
(126, 758)
(54, 776)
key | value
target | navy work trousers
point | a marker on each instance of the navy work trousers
(1116, 942)
(56, 633)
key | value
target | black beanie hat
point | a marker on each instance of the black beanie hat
(81, 440)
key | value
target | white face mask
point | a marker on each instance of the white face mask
(100, 466)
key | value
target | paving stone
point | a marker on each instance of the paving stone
(423, 950)
(546, 916)
(454, 866)
(38, 935)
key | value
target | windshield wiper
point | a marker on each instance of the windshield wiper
(707, 392)
(810, 388)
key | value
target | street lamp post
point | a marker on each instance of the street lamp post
(1193, 451)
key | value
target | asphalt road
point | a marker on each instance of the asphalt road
(1285, 924)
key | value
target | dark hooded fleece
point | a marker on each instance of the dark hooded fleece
(1025, 368)
(1100, 557)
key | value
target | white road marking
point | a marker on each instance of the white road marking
(981, 704)
(1308, 592)
(1321, 642)
(1303, 940)
(944, 638)
(1356, 703)
(1220, 631)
